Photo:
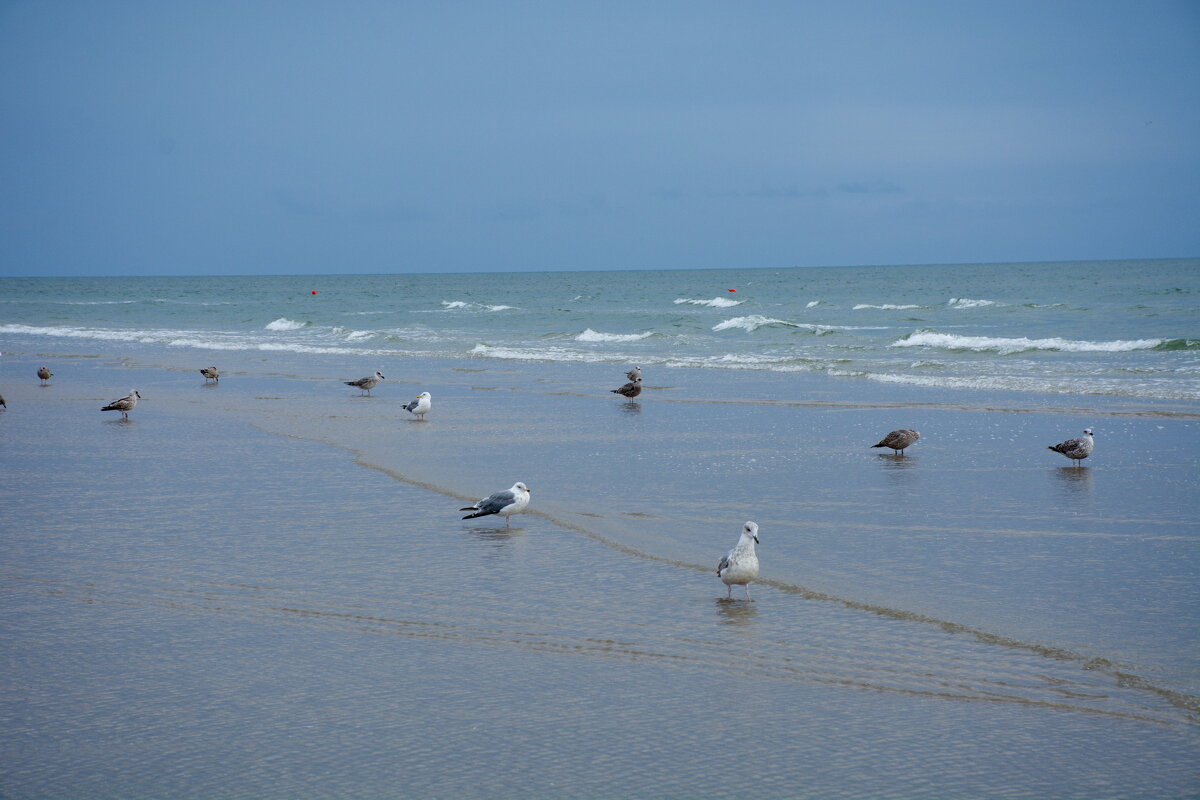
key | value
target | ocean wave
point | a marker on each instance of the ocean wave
(590, 335)
(285, 324)
(885, 307)
(452, 305)
(716, 302)
(753, 323)
(1008, 346)
(813, 304)
(1171, 390)
(963, 302)
(756, 321)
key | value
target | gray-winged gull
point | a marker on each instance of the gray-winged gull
(125, 404)
(631, 389)
(211, 374)
(44, 373)
(634, 374)
(368, 383)
(421, 405)
(740, 565)
(1076, 449)
(899, 439)
(506, 503)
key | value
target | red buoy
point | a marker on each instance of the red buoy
(732, 290)
(315, 291)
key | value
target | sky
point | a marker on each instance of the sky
(255, 137)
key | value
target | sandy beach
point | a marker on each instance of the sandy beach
(263, 588)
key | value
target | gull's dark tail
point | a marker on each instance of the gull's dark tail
(476, 514)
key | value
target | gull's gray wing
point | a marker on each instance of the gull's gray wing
(497, 501)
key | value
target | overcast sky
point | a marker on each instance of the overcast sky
(248, 137)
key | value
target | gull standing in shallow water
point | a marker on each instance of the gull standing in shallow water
(899, 439)
(1076, 449)
(125, 404)
(631, 389)
(506, 503)
(740, 565)
(368, 383)
(421, 405)
(44, 373)
(211, 374)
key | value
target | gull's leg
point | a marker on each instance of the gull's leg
(748, 593)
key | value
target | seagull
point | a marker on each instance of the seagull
(211, 374)
(899, 439)
(634, 374)
(631, 389)
(1076, 449)
(740, 565)
(44, 373)
(506, 503)
(2, 403)
(367, 383)
(420, 405)
(125, 404)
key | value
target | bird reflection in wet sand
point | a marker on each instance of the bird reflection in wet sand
(632, 407)
(735, 612)
(1075, 480)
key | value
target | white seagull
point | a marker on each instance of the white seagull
(506, 503)
(125, 404)
(1076, 449)
(367, 383)
(421, 405)
(634, 374)
(740, 565)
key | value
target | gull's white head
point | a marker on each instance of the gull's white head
(379, 376)
(520, 486)
(424, 395)
(751, 529)
(134, 393)
(1087, 431)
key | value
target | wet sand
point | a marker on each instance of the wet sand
(263, 589)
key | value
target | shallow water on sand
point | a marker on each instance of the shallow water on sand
(195, 607)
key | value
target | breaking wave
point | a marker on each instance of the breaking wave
(963, 302)
(590, 335)
(1007, 346)
(285, 324)
(451, 305)
(716, 302)
(885, 307)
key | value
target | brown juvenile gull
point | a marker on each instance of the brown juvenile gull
(506, 503)
(125, 404)
(634, 374)
(740, 565)
(44, 373)
(367, 383)
(1076, 449)
(421, 405)
(211, 374)
(2, 403)
(899, 439)
(631, 389)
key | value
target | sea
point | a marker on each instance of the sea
(1126, 329)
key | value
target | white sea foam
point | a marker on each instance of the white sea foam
(885, 307)
(285, 324)
(590, 335)
(813, 304)
(716, 302)
(453, 305)
(752, 323)
(1007, 346)
(963, 302)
